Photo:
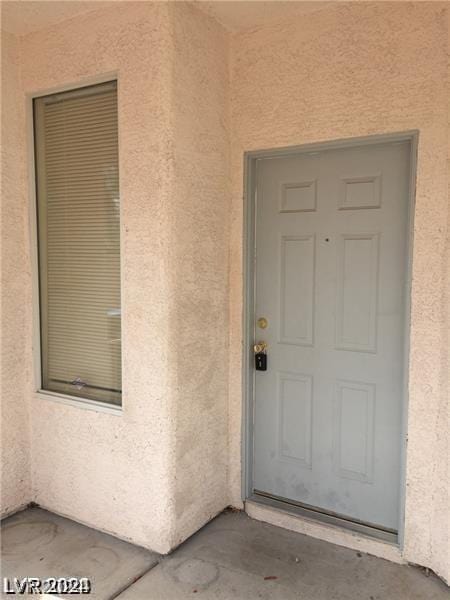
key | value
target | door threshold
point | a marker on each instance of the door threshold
(319, 516)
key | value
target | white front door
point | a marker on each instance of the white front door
(331, 281)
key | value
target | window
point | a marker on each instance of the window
(78, 206)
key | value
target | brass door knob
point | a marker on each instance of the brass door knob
(260, 347)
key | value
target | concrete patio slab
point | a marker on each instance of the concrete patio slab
(235, 557)
(37, 543)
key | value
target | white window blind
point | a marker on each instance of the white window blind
(77, 170)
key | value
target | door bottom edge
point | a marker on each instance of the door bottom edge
(319, 518)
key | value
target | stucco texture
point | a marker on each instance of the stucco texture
(192, 100)
(15, 280)
(143, 475)
(198, 256)
(354, 70)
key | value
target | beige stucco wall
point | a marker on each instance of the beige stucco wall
(353, 70)
(15, 320)
(157, 472)
(173, 458)
(198, 255)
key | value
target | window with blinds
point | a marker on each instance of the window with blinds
(78, 206)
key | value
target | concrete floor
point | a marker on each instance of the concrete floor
(37, 543)
(233, 557)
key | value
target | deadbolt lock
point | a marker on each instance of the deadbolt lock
(262, 323)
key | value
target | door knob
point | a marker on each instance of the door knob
(260, 347)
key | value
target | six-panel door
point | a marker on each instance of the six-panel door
(331, 275)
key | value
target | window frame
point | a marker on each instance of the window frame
(38, 391)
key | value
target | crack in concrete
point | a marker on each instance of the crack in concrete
(126, 586)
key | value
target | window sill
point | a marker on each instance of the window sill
(82, 403)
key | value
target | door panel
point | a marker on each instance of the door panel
(357, 291)
(297, 290)
(331, 273)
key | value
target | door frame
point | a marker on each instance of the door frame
(248, 314)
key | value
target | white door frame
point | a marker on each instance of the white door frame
(248, 323)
